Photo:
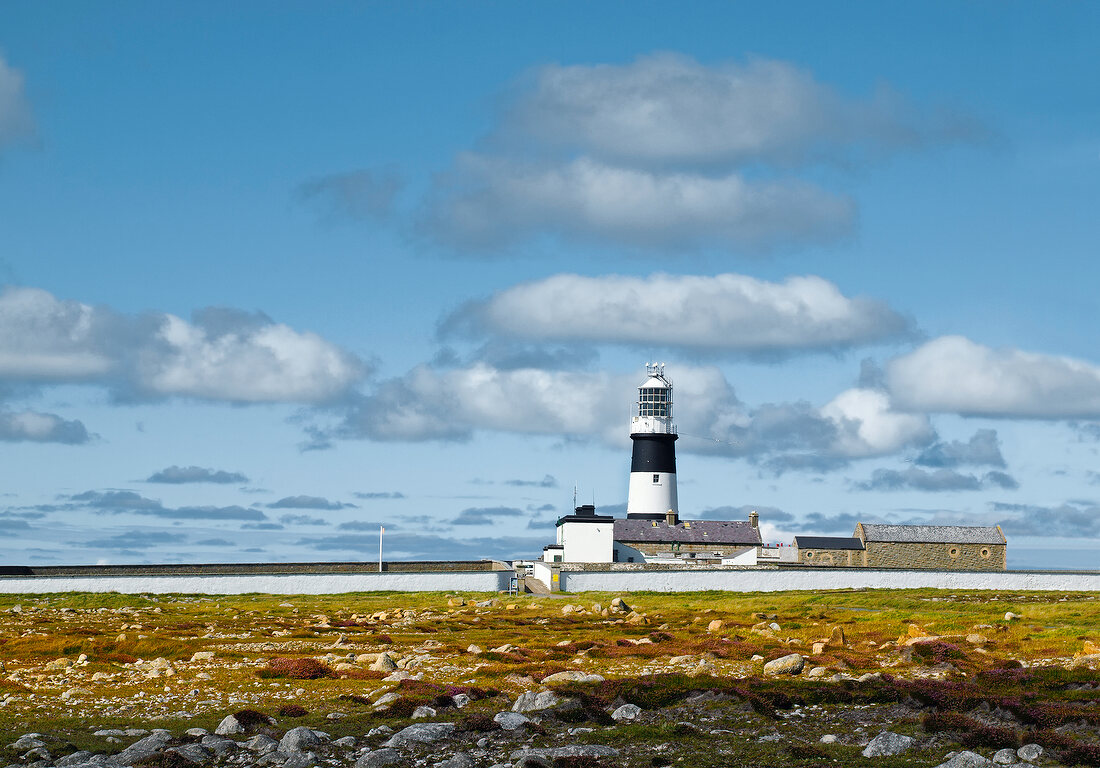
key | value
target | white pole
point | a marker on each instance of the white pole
(381, 530)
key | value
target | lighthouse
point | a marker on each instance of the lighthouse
(652, 493)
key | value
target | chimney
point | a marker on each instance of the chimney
(754, 519)
(671, 518)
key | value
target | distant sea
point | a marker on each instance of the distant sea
(1021, 559)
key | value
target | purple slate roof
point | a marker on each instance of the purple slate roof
(688, 532)
(933, 534)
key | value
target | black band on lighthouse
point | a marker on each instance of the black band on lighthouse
(653, 453)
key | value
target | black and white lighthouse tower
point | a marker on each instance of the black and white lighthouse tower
(652, 493)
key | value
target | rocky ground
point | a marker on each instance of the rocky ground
(884, 679)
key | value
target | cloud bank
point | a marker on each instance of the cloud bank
(222, 355)
(193, 474)
(953, 374)
(726, 312)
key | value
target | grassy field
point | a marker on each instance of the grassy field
(77, 663)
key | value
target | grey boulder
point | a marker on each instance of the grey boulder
(1030, 752)
(626, 713)
(966, 759)
(142, 748)
(791, 664)
(534, 701)
(192, 753)
(886, 744)
(421, 733)
(229, 726)
(299, 739)
(510, 721)
(377, 758)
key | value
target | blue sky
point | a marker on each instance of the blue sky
(277, 275)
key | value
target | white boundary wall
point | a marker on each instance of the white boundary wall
(778, 580)
(271, 584)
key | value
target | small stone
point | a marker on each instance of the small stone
(384, 663)
(386, 699)
(817, 648)
(791, 664)
(261, 744)
(461, 700)
(299, 739)
(976, 639)
(474, 649)
(382, 730)
(756, 657)
(219, 745)
(817, 672)
(378, 757)
(346, 742)
(828, 738)
(626, 713)
(423, 711)
(1030, 752)
(887, 743)
(202, 656)
(459, 760)
(229, 726)
(966, 759)
(534, 701)
(421, 733)
(1005, 756)
(716, 626)
(1010, 616)
(837, 638)
(192, 753)
(510, 721)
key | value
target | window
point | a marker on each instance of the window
(630, 559)
(557, 558)
(809, 555)
(952, 552)
(984, 553)
(656, 479)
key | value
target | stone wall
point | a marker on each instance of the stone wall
(845, 558)
(944, 557)
(652, 549)
(817, 579)
(272, 584)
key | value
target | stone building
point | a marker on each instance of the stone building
(942, 547)
(830, 550)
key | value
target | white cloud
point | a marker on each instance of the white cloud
(272, 363)
(723, 312)
(228, 357)
(491, 201)
(34, 427)
(428, 404)
(42, 337)
(670, 109)
(16, 121)
(452, 404)
(955, 375)
(868, 425)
